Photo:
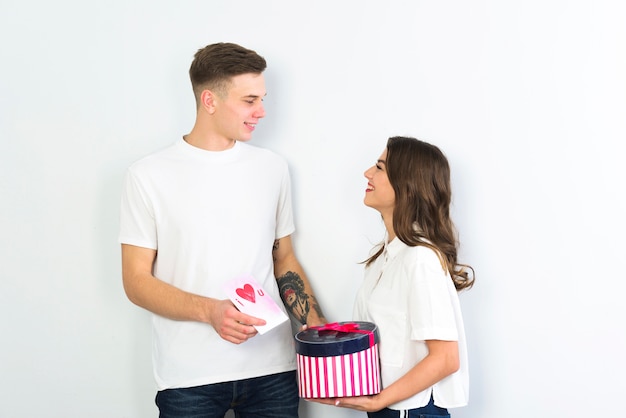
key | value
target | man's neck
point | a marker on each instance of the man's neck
(208, 142)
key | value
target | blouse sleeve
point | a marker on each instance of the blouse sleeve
(431, 311)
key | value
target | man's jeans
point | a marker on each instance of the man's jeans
(273, 396)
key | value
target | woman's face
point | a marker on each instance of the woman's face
(379, 194)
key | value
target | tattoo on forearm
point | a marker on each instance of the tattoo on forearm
(317, 308)
(292, 293)
(295, 298)
(274, 248)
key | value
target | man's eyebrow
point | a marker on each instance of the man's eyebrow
(254, 96)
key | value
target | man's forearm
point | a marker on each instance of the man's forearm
(299, 299)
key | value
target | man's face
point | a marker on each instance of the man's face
(241, 108)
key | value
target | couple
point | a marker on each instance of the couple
(210, 207)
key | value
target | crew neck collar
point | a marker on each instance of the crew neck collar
(226, 154)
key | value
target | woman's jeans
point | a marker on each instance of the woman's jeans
(273, 396)
(428, 411)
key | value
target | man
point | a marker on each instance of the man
(207, 209)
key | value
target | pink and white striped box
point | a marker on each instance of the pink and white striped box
(337, 360)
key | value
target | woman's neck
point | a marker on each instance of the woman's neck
(391, 234)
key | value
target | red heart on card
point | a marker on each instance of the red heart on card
(247, 292)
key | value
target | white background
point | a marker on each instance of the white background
(527, 99)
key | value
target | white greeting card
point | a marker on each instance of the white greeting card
(250, 298)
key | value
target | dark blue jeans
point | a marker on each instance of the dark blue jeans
(273, 396)
(429, 411)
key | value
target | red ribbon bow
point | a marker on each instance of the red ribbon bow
(346, 327)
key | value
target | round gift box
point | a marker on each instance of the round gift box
(338, 359)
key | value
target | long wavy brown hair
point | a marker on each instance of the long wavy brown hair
(420, 176)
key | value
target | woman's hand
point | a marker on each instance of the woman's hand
(361, 403)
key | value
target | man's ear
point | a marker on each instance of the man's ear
(208, 100)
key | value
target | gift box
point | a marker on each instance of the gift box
(338, 359)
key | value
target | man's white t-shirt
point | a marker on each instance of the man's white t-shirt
(411, 298)
(211, 216)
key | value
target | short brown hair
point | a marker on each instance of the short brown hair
(215, 64)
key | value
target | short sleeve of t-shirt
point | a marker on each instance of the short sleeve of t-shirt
(284, 215)
(137, 226)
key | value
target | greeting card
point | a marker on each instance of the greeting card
(250, 298)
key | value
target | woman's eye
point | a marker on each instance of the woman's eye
(378, 166)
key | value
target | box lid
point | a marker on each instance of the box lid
(336, 339)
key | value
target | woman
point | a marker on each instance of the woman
(411, 284)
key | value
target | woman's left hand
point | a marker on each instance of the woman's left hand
(361, 403)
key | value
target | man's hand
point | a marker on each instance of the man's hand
(231, 324)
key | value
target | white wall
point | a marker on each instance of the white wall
(528, 100)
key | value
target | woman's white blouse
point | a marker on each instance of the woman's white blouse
(411, 298)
